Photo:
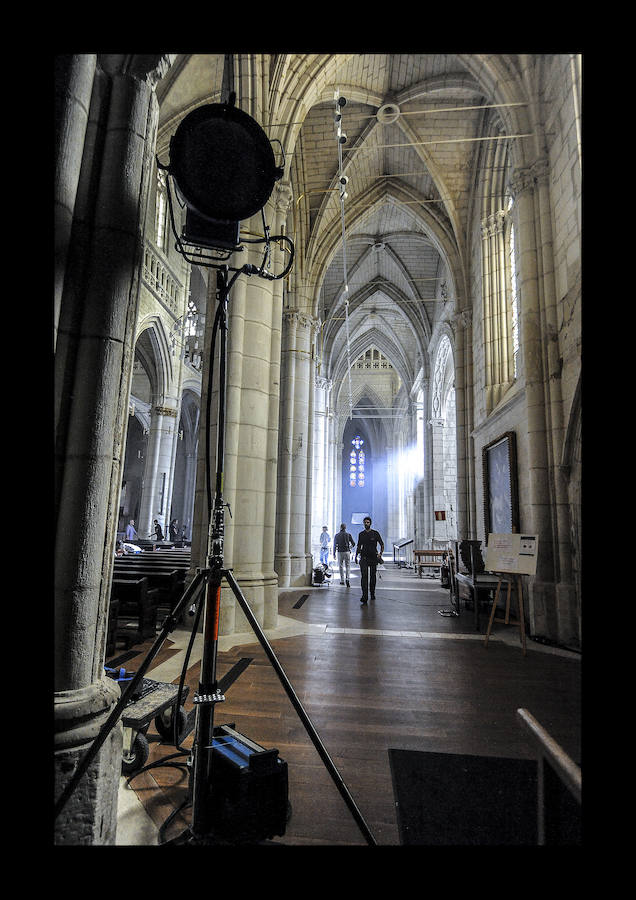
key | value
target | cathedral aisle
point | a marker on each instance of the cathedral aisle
(394, 674)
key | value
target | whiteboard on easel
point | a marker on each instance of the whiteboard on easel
(512, 553)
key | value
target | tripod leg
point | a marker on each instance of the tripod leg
(492, 612)
(311, 731)
(206, 699)
(112, 719)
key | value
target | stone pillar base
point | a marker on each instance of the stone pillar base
(90, 815)
(262, 596)
(294, 571)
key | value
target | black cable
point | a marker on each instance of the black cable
(173, 814)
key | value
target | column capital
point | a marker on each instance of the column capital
(324, 384)
(493, 224)
(297, 317)
(148, 67)
(165, 411)
(526, 177)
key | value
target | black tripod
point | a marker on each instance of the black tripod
(210, 579)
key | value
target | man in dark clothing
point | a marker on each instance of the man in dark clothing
(342, 544)
(367, 551)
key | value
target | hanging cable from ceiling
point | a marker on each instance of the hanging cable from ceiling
(341, 138)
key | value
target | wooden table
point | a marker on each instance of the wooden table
(428, 559)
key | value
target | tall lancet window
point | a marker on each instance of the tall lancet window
(514, 299)
(357, 462)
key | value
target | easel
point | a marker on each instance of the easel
(506, 620)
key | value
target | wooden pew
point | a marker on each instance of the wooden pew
(111, 632)
(168, 581)
(135, 600)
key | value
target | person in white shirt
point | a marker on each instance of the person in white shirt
(325, 540)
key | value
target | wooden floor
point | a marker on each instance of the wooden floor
(393, 674)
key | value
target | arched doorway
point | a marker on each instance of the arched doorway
(183, 485)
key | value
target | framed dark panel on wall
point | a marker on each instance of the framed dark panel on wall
(501, 492)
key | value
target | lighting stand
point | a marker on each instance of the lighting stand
(208, 694)
(201, 830)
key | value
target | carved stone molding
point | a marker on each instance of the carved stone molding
(283, 196)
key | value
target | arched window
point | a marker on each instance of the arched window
(500, 290)
(357, 463)
(439, 375)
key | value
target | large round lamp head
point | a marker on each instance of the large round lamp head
(223, 163)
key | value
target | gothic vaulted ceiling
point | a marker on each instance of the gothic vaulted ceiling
(413, 126)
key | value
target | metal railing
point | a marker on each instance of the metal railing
(403, 554)
(552, 761)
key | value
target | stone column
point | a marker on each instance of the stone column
(251, 435)
(567, 605)
(466, 508)
(155, 495)
(281, 199)
(322, 487)
(98, 311)
(543, 613)
(293, 564)
(73, 88)
(282, 562)
(335, 451)
(437, 454)
(188, 497)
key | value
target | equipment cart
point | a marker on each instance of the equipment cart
(157, 701)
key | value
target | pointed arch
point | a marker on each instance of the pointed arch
(152, 344)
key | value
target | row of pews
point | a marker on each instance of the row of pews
(145, 588)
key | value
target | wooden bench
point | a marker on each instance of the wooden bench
(137, 602)
(111, 628)
(475, 589)
(167, 581)
(428, 559)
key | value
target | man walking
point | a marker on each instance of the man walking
(368, 553)
(342, 544)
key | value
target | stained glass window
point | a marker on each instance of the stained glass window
(357, 463)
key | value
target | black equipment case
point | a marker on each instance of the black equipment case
(248, 793)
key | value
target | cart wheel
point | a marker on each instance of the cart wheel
(138, 755)
(165, 725)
